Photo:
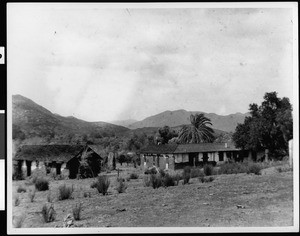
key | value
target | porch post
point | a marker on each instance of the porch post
(58, 167)
(28, 167)
(266, 155)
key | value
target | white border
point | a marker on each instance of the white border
(295, 228)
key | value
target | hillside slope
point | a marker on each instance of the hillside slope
(180, 117)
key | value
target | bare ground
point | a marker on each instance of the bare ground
(230, 200)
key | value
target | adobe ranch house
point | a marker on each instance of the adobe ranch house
(177, 156)
(55, 158)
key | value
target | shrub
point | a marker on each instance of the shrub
(208, 169)
(195, 172)
(203, 179)
(21, 189)
(31, 195)
(133, 176)
(121, 185)
(65, 192)
(102, 184)
(186, 175)
(76, 211)
(18, 220)
(17, 173)
(17, 200)
(156, 180)
(147, 182)
(169, 180)
(41, 184)
(177, 178)
(48, 213)
(233, 168)
(254, 168)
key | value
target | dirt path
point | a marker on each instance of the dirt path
(230, 200)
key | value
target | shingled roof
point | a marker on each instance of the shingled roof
(188, 148)
(204, 147)
(159, 149)
(48, 152)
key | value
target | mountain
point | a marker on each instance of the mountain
(125, 123)
(182, 117)
(32, 121)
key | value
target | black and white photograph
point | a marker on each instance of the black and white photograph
(152, 118)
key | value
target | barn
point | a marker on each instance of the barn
(58, 157)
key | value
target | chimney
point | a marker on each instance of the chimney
(226, 145)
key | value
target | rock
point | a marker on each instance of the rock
(68, 221)
(122, 209)
(164, 205)
(205, 203)
(240, 206)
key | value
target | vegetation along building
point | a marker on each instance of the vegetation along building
(85, 160)
(176, 156)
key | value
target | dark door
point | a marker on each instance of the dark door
(193, 157)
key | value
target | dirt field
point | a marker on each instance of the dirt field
(230, 200)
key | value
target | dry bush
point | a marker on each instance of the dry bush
(65, 192)
(208, 169)
(121, 185)
(48, 213)
(102, 184)
(21, 189)
(17, 200)
(186, 175)
(254, 168)
(41, 184)
(147, 182)
(31, 195)
(76, 211)
(133, 176)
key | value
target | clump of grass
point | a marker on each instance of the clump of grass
(76, 211)
(86, 194)
(49, 197)
(102, 184)
(254, 168)
(18, 221)
(21, 189)
(48, 213)
(17, 200)
(121, 185)
(208, 169)
(65, 192)
(186, 175)
(41, 184)
(133, 176)
(31, 195)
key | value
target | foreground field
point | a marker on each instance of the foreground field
(230, 200)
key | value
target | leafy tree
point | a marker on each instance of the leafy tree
(198, 131)
(165, 134)
(269, 126)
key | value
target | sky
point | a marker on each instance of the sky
(105, 64)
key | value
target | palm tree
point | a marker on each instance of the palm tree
(198, 131)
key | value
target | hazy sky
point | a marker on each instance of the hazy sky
(111, 64)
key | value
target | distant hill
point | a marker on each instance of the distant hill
(32, 121)
(125, 123)
(226, 123)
